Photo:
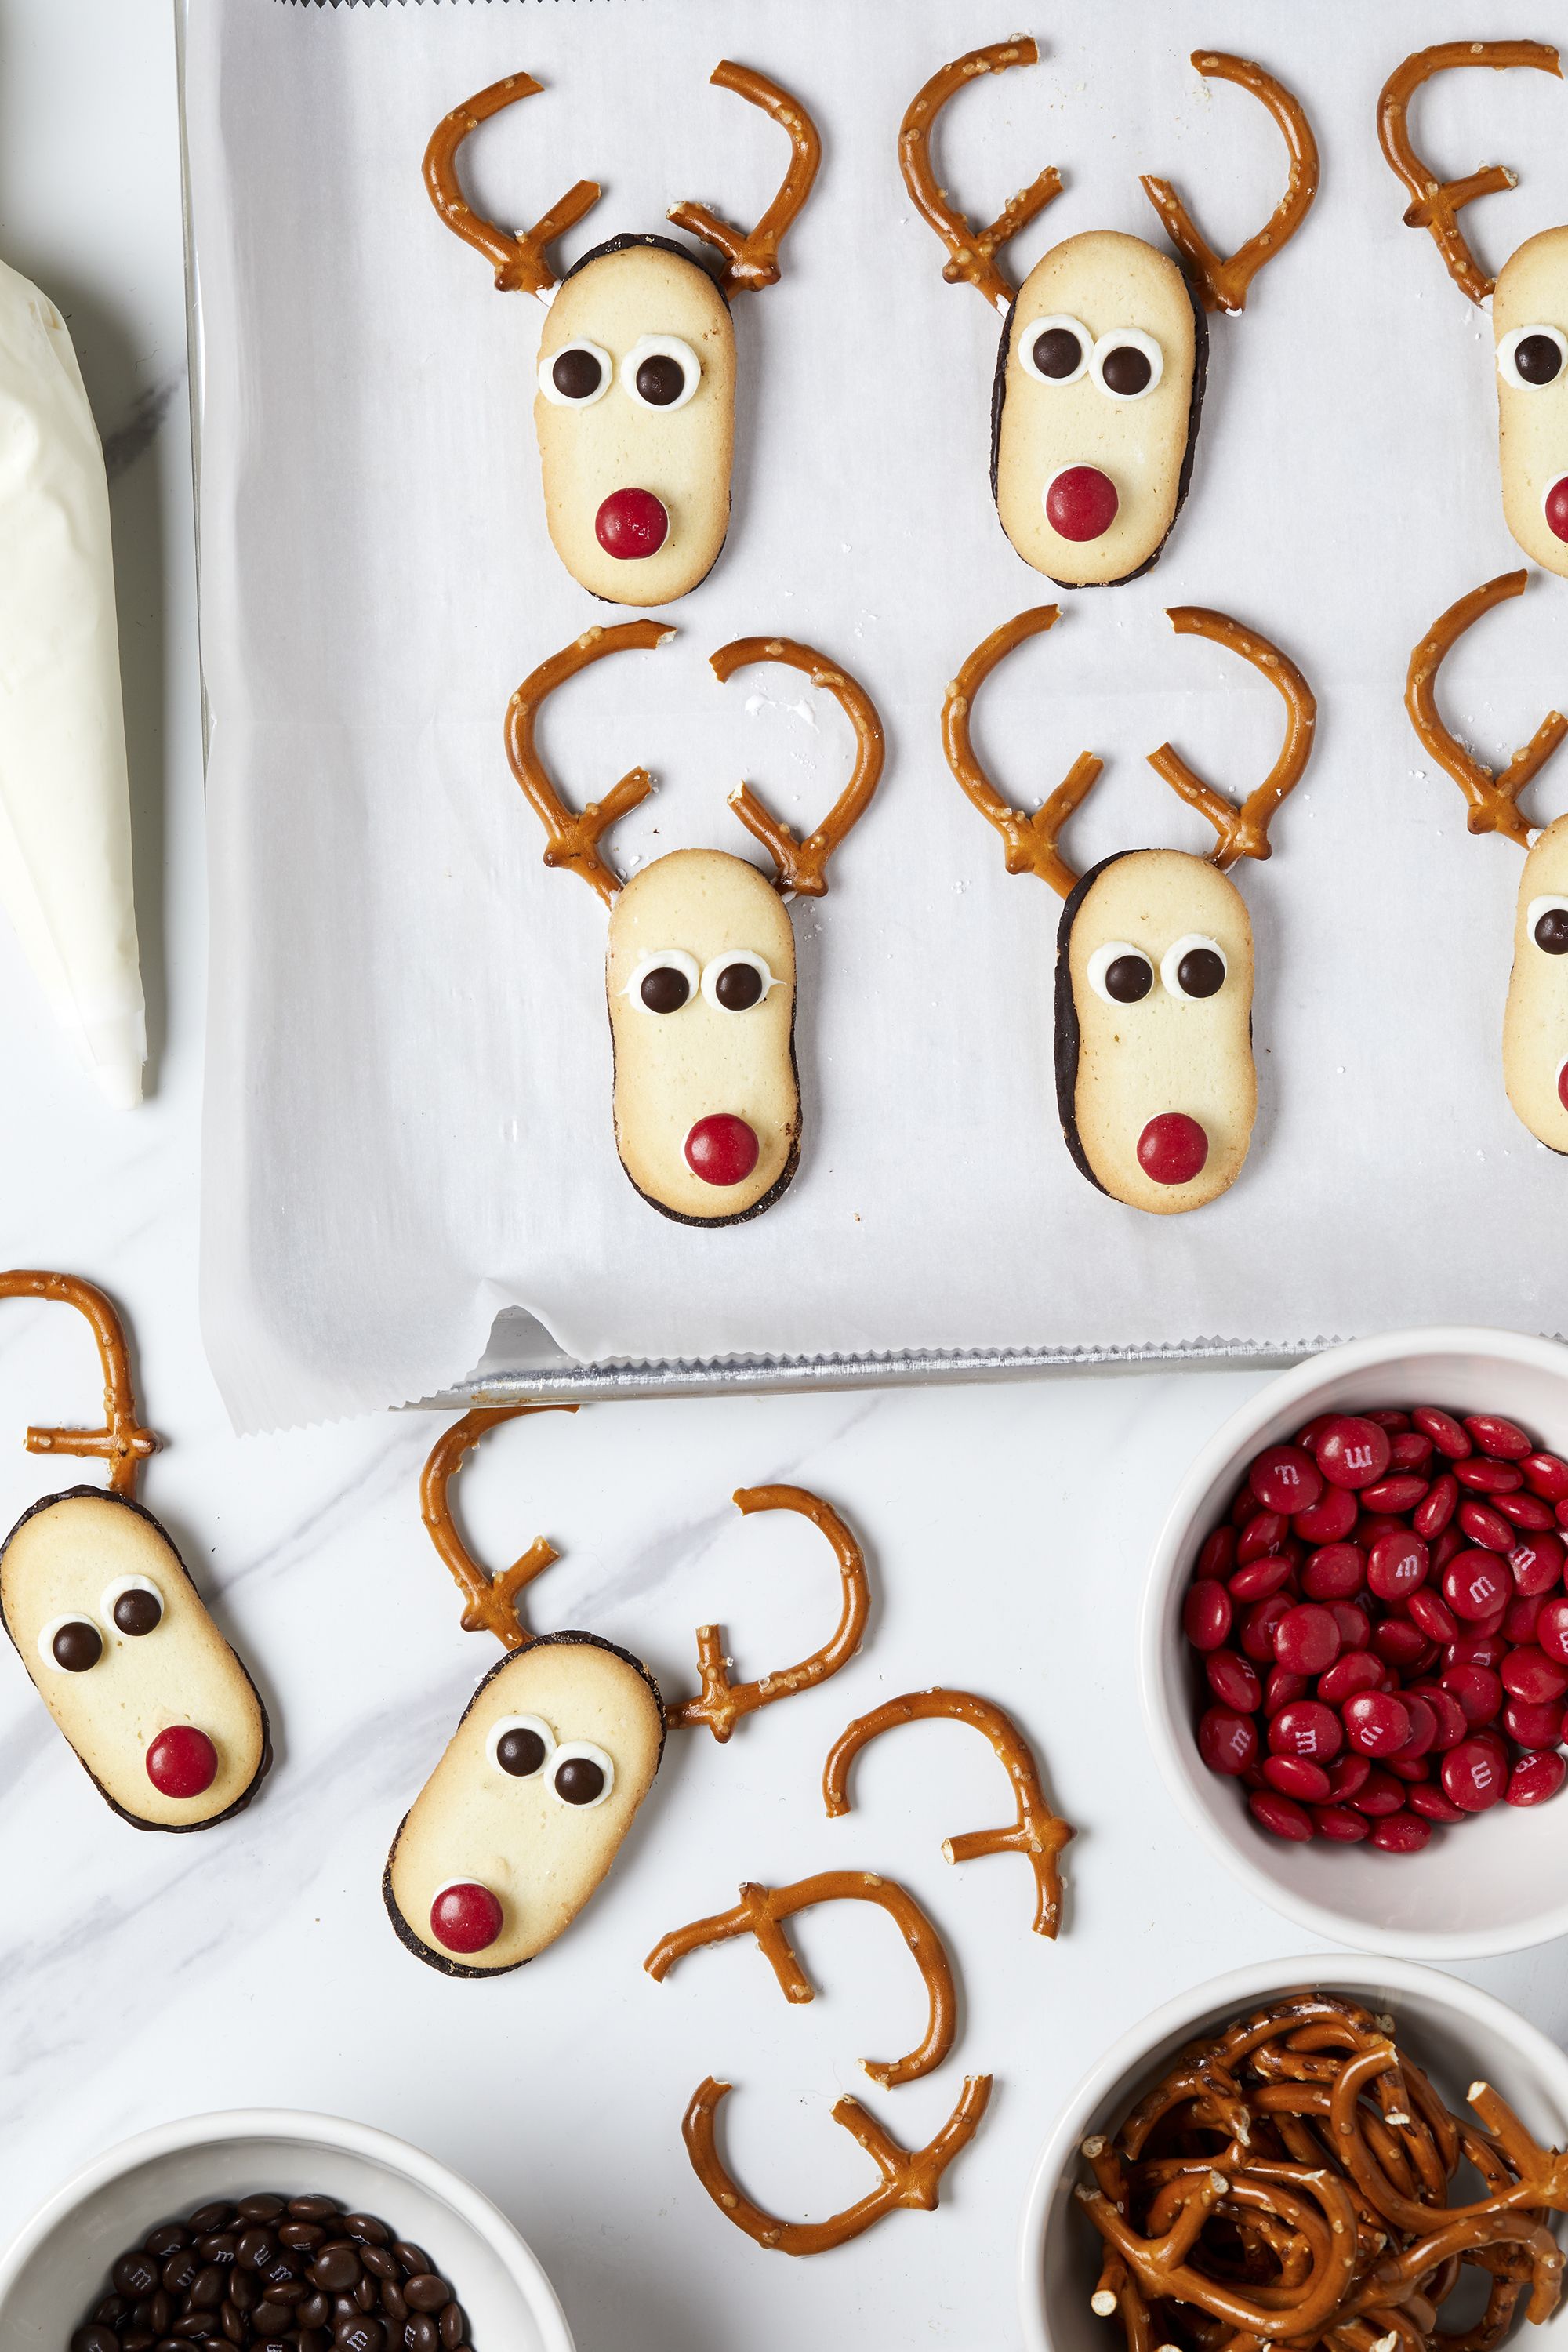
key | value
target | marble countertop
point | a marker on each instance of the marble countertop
(1006, 1529)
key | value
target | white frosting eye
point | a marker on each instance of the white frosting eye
(1053, 349)
(1121, 974)
(736, 980)
(1192, 967)
(568, 376)
(580, 1775)
(133, 1606)
(660, 373)
(521, 1746)
(1529, 357)
(1546, 920)
(69, 1645)
(665, 981)
(1127, 364)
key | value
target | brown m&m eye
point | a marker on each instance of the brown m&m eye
(133, 1606)
(1532, 356)
(665, 981)
(1122, 974)
(1127, 364)
(661, 372)
(521, 1745)
(734, 983)
(520, 1753)
(1194, 968)
(661, 380)
(71, 1646)
(1549, 927)
(581, 1774)
(1055, 350)
(576, 376)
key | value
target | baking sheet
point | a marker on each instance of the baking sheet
(408, 1126)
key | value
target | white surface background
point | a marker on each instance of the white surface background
(1006, 1527)
(409, 1081)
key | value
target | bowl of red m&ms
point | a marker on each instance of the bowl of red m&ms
(1354, 1647)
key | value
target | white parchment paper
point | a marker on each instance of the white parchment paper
(408, 1108)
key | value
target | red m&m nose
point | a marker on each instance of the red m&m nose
(466, 1917)
(1563, 1085)
(722, 1148)
(1173, 1149)
(632, 523)
(1081, 502)
(182, 1761)
(1554, 507)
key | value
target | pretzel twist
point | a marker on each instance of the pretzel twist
(570, 840)
(722, 1702)
(1035, 1830)
(752, 255)
(1244, 832)
(762, 1911)
(520, 262)
(1491, 801)
(122, 1442)
(908, 2176)
(490, 1602)
(971, 252)
(1222, 281)
(1435, 204)
(1320, 2212)
(1029, 843)
(802, 865)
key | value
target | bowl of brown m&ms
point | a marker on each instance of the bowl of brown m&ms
(1354, 1651)
(305, 2232)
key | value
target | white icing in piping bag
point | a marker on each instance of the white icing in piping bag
(65, 806)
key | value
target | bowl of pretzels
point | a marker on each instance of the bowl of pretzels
(1484, 1882)
(1358, 2152)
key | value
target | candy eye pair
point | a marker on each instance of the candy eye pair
(1531, 357)
(668, 979)
(73, 1645)
(1125, 363)
(576, 1772)
(1191, 968)
(1546, 920)
(659, 371)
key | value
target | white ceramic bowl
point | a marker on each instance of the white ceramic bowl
(58, 2267)
(1455, 2031)
(1495, 1884)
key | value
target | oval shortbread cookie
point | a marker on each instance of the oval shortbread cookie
(523, 1815)
(126, 1658)
(1535, 1021)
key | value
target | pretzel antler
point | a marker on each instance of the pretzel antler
(1035, 1832)
(122, 1442)
(1029, 843)
(573, 841)
(909, 2177)
(722, 1702)
(1222, 284)
(1492, 800)
(521, 263)
(1244, 832)
(971, 252)
(802, 865)
(1436, 203)
(751, 257)
(762, 1911)
(489, 1601)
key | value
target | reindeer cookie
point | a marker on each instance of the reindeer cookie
(1155, 1083)
(120, 1649)
(1535, 1020)
(529, 1806)
(1100, 376)
(1530, 300)
(636, 405)
(701, 968)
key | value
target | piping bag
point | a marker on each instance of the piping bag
(65, 799)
